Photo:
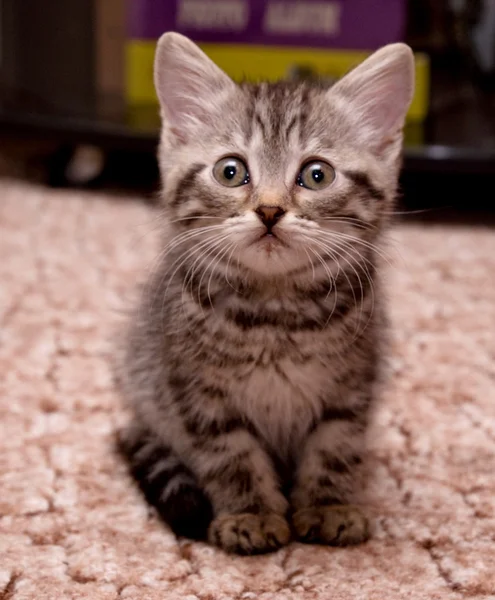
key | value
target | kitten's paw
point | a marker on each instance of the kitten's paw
(246, 533)
(333, 525)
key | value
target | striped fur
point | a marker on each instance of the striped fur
(252, 363)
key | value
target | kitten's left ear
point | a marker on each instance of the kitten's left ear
(189, 85)
(378, 93)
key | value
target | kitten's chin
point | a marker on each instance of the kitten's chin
(271, 256)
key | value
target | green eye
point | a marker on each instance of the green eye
(316, 175)
(231, 172)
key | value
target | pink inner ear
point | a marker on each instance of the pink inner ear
(188, 84)
(179, 93)
(379, 91)
(383, 103)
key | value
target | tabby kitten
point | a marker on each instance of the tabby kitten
(253, 360)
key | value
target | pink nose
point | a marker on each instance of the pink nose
(270, 215)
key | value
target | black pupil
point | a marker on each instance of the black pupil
(317, 175)
(230, 171)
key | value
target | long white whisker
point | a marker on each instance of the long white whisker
(188, 255)
(350, 221)
(189, 275)
(217, 258)
(176, 241)
(150, 225)
(372, 287)
(228, 266)
(187, 235)
(200, 260)
(349, 246)
(196, 264)
(331, 279)
(364, 264)
(181, 259)
(312, 264)
(180, 239)
(356, 240)
(339, 248)
(211, 251)
(325, 247)
(332, 282)
(193, 218)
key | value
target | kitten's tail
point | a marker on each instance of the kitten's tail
(165, 482)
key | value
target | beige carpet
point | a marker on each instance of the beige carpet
(71, 523)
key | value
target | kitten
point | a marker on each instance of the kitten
(253, 360)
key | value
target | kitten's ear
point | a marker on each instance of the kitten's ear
(189, 85)
(378, 93)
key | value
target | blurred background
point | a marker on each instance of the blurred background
(77, 105)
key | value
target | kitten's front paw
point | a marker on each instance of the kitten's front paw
(246, 533)
(333, 525)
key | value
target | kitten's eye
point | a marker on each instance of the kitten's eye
(231, 172)
(316, 175)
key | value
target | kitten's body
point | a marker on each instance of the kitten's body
(252, 363)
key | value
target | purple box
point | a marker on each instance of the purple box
(345, 24)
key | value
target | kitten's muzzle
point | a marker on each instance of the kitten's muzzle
(269, 215)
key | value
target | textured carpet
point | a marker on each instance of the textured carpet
(73, 526)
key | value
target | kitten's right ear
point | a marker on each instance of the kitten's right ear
(378, 92)
(189, 85)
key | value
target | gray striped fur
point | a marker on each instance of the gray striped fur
(251, 367)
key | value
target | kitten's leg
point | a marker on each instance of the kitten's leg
(325, 482)
(238, 477)
(165, 482)
(233, 479)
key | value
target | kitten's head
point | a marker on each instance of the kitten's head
(280, 175)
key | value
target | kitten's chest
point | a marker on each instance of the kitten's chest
(279, 376)
(281, 399)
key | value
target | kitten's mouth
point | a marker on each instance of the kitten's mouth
(269, 241)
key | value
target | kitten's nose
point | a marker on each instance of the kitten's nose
(270, 215)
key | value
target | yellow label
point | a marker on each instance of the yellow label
(243, 61)
(139, 61)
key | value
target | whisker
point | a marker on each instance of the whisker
(388, 259)
(187, 235)
(181, 259)
(338, 250)
(372, 290)
(413, 212)
(228, 265)
(149, 226)
(218, 258)
(185, 256)
(355, 240)
(193, 218)
(177, 241)
(171, 247)
(349, 246)
(212, 251)
(326, 269)
(189, 276)
(333, 283)
(312, 264)
(199, 261)
(325, 247)
(372, 309)
(196, 263)
(350, 221)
